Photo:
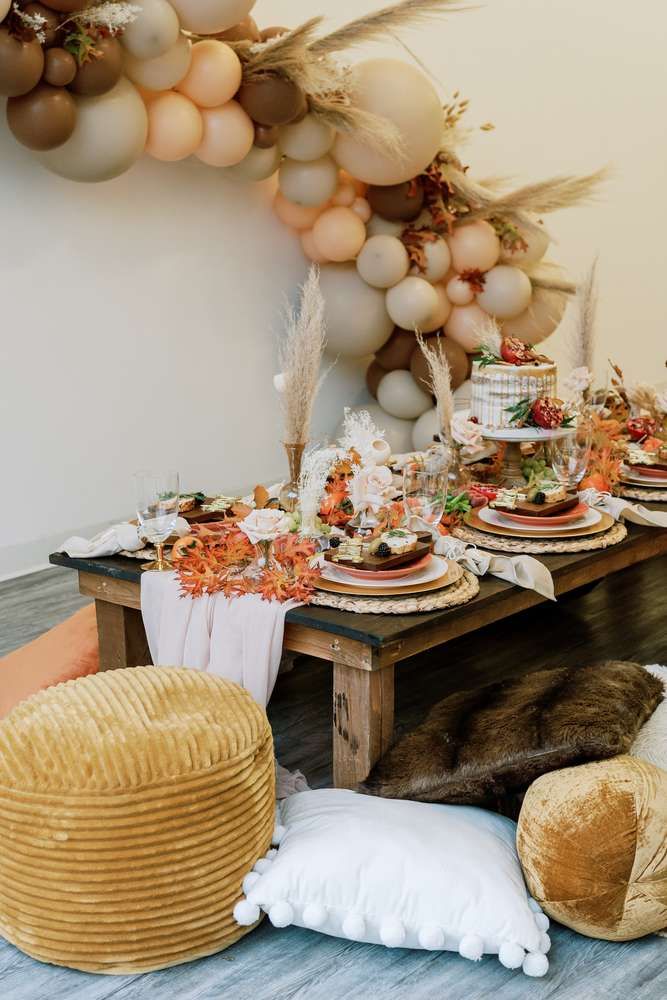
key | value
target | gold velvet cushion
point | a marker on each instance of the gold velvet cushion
(593, 845)
(132, 805)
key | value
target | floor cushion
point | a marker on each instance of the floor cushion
(651, 742)
(593, 845)
(400, 874)
(481, 745)
(132, 805)
(63, 653)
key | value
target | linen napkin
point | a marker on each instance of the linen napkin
(118, 538)
(522, 570)
(623, 510)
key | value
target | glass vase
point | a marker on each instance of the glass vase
(289, 494)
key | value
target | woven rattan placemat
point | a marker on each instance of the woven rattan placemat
(545, 546)
(641, 493)
(458, 593)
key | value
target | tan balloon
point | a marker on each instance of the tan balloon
(474, 246)
(398, 350)
(214, 75)
(310, 183)
(154, 30)
(310, 249)
(537, 245)
(438, 260)
(339, 234)
(206, 17)
(401, 93)
(412, 302)
(4, 8)
(296, 216)
(465, 324)
(440, 314)
(377, 226)
(459, 292)
(109, 136)
(228, 135)
(345, 195)
(163, 72)
(362, 208)
(259, 163)
(507, 292)
(308, 140)
(175, 127)
(383, 261)
(400, 396)
(357, 321)
(540, 319)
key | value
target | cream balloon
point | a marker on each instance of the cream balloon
(397, 91)
(357, 321)
(214, 75)
(474, 247)
(383, 261)
(309, 247)
(540, 319)
(437, 258)
(4, 8)
(412, 302)
(345, 195)
(362, 208)
(339, 234)
(306, 140)
(459, 292)
(397, 432)
(536, 243)
(228, 135)
(296, 216)
(400, 396)
(507, 292)
(425, 429)
(175, 127)
(310, 183)
(377, 226)
(440, 314)
(465, 324)
(208, 17)
(259, 164)
(109, 136)
(163, 72)
(153, 32)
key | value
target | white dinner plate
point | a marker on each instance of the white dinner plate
(436, 568)
(494, 517)
(636, 479)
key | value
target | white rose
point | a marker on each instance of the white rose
(265, 525)
(372, 488)
(465, 431)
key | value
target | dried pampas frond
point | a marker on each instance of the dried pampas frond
(441, 383)
(300, 354)
(337, 111)
(645, 401)
(360, 433)
(286, 54)
(384, 22)
(315, 469)
(583, 347)
(489, 335)
(554, 285)
(540, 198)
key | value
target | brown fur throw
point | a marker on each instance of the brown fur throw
(483, 745)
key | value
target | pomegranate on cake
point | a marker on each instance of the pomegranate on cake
(503, 379)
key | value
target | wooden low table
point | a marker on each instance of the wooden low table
(363, 649)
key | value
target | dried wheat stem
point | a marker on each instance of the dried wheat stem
(382, 22)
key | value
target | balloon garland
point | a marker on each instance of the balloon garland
(368, 177)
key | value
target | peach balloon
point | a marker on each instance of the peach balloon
(474, 246)
(464, 326)
(339, 234)
(359, 186)
(507, 291)
(228, 135)
(362, 208)
(310, 248)
(440, 314)
(296, 216)
(459, 292)
(214, 75)
(540, 319)
(345, 195)
(175, 127)
(207, 17)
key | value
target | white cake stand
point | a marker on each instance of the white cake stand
(514, 437)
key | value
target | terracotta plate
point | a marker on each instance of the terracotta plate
(452, 574)
(543, 522)
(473, 520)
(385, 574)
(646, 470)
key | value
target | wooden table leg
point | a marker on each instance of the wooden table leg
(363, 720)
(122, 637)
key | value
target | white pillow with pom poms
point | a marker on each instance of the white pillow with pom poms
(402, 874)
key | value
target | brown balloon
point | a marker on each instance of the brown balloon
(59, 67)
(398, 350)
(271, 99)
(397, 202)
(245, 31)
(98, 74)
(273, 32)
(21, 65)
(44, 118)
(52, 26)
(266, 136)
(374, 374)
(68, 6)
(459, 363)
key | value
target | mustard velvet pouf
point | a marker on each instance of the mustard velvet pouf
(593, 845)
(132, 805)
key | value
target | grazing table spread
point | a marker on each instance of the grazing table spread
(363, 648)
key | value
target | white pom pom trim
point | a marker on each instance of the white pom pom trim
(249, 881)
(432, 937)
(262, 866)
(534, 905)
(314, 915)
(511, 955)
(471, 947)
(354, 927)
(536, 965)
(545, 944)
(542, 922)
(273, 853)
(392, 933)
(246, 913)
(278, 834)
(281, 914)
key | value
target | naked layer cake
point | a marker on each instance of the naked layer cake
(499, 384)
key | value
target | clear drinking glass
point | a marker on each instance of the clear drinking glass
(424, 496)
(569, 456)
(157, 509)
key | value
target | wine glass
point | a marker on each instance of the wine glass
(569, 456)
(157, 510)
(424, 496)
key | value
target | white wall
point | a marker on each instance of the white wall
(139, 316)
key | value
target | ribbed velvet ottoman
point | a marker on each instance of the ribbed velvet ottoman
(132, 805)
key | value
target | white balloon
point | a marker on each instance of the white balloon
(397, 432)
(438, 261)
(207, 17)
(425, 430)
(507, 292)
(440, 314)
(357, 322)
(412, 302)
(377, 226)
(383, 261)
(154, 30)
(537, 245)
(109, 136)
(307, 140)
(459, 292)
(163, 72)
(400, 396)
(310, 183)
(259, 164)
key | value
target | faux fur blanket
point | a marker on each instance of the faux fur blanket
(481, 746)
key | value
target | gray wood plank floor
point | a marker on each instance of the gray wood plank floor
(622, 618)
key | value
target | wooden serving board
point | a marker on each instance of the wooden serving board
(389, 562)
(527, 509)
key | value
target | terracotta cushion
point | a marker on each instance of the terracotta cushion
(592, 842)
(68, 651)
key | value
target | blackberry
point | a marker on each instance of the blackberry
(539, 498)
(334, 542)
(383, 550)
